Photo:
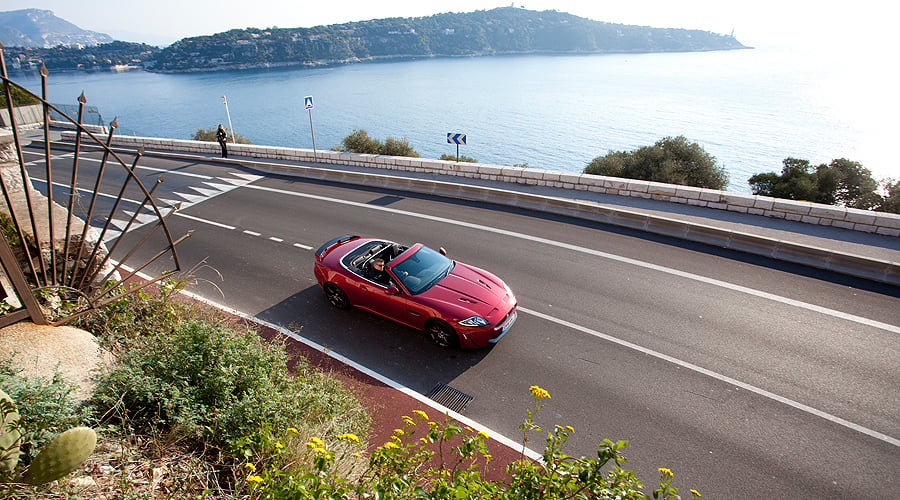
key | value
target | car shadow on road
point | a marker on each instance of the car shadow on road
(395, 351)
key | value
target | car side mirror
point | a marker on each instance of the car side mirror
(443, 252)
(392, 290)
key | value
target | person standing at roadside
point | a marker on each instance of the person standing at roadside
(221, 136)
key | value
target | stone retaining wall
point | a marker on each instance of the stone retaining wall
(811, 213)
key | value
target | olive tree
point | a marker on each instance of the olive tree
(672, 160)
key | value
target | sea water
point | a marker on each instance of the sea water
(750, 109)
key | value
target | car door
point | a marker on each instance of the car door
(386, 301)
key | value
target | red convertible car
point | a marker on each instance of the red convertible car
(454, 303)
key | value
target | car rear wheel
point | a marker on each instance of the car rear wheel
(336, 296)
(442, 334)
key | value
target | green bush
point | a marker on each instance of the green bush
(209, 135)
(464, 158)
(398, 147)
(20, 97)
(359, 141)
(45, 406)
(427, 459)
(135, 316)
(215, 385)
(672, 160)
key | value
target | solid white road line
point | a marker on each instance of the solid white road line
(718, 376)
(605, 255)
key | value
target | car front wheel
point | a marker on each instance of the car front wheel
(336, 296)
(442, 334)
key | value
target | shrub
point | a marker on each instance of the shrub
(430, 459)
(209, 135)
(134, 316)
(45, 408)
(464, 158)
(20, 97)
(672, 160)
(359, 141)
(398, 147)
(215, 385)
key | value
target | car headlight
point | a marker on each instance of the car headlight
(474, 321)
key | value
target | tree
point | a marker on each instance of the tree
(891, 200)
(856, 188)
(673, 160)
(842, 182)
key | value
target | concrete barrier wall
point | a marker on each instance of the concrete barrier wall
(25, 115)
(810, 213)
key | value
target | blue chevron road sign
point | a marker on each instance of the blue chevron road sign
(456, 139)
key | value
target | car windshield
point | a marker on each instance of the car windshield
(422, 270)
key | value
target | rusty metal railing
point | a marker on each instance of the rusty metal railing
(56, 285)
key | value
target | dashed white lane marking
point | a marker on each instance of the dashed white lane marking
(252, 233)
(598, 253)
(276, 240)
(724, 378)
(718, 376)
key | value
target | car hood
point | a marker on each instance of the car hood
(471, 288)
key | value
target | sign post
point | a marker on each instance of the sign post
(308, 104)
(456, 139)
(233, 137)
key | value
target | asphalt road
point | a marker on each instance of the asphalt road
(747, 377)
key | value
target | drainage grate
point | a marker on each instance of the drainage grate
(450, 397)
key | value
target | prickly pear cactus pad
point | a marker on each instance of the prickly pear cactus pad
(62, 455)
(9, 434)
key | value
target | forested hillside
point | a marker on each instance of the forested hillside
(498, 31)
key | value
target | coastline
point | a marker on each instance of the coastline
(325, 63)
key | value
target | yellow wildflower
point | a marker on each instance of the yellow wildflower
(696, 493)
(390, 445)
(399, 432)
(293, 430)
(665, 472)
(570, 428)
(408, 421)
(356, 455)
(488, 456)
(539, 393)
(349, 436)
(423, 440)
(421, 414)
(468, 428)
(254, 479)
(321, 450)
(278, 445)
(316, 441)
(483, 434)
(250, 467)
